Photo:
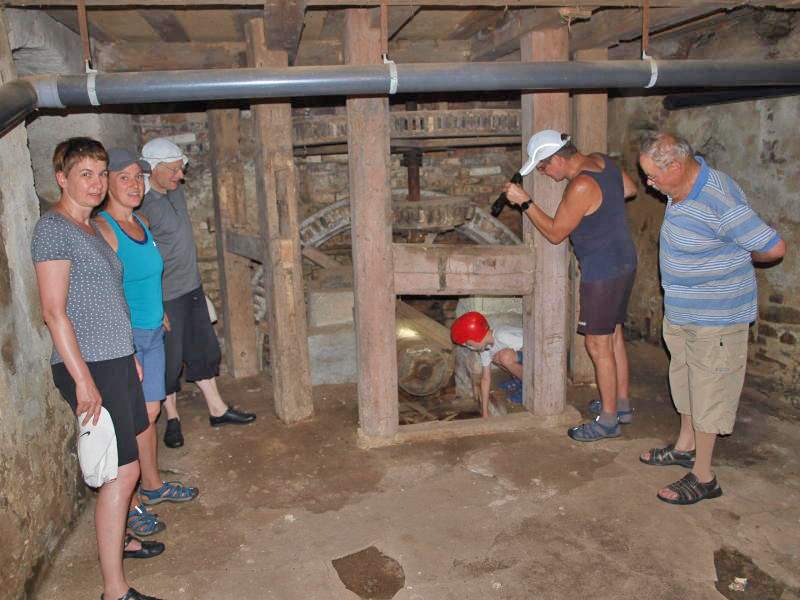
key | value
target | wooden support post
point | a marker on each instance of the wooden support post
(591, 135)
(371, 219)
(545, 311)
(283, 273)
(238, 319)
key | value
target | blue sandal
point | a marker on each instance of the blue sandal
(143, 523)
(171, 491)
(623, 416)
(593, 431)
(510, 385)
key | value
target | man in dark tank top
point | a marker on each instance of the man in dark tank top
(592, 215)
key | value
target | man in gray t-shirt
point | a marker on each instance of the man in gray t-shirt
(189, 338)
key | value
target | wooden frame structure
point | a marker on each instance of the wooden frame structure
(537, 270)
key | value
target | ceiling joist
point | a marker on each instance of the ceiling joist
(505, 4)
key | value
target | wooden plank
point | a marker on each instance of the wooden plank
(612, 26)
(447, 430)
(545, 311)
(144, 56)
(441, 269)
(371, 232)
(350, 3)
(320, 258)
(284, 22)
(591, 135)
(474, 22)
(244, 244)
(398, 18)
(69, 18)
(234, 270)
(504, 37)
(165, 24)
(162, 56)
(276, 181)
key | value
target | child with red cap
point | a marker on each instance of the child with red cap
(501, 346)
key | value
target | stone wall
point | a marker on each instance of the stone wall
(40, 489)
(756, 142)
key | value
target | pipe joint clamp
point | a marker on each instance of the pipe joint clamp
(653, 69)
(392, 74)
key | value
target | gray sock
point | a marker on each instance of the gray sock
(607, 419)
(623, 403)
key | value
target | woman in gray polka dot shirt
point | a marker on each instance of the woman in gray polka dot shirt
(83, 305)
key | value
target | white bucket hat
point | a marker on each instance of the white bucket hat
(542, 145)
(97, 450)
(160, 150)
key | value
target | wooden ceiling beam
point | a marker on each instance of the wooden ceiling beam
(398, 17)
(495, 42)
(610, 27)
(415, 3)
(474, 22)
(69, 18)
(283, 20)
(165, 23)
(113, 57)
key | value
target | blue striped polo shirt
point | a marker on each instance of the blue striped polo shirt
(704, 253)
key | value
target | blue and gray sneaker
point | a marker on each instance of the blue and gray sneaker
(625, 417)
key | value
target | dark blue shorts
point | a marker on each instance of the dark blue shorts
(604, 304)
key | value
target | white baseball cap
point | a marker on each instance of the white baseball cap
(97, 450)
(543, 145)
(160, 150)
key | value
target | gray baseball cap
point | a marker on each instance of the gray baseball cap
(122, 158)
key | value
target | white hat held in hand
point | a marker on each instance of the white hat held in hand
(97, 450)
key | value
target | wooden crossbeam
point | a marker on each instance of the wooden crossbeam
(441, 269)
(114, 57)
(503, 38)
(413, 3)
(165, 23)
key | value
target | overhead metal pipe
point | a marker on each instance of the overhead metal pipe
(95, 89)
(17, 100)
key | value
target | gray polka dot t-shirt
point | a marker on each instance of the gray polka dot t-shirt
(95, 300)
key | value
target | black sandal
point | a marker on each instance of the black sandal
(663, 457)
(690, 490)
(148, 549)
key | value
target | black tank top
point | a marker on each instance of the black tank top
(602, 240)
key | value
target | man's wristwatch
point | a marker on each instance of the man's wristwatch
(524, 206)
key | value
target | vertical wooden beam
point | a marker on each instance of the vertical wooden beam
(276, 180)
(545, 311)
(591, 135)
(238, 319)
(371, 227)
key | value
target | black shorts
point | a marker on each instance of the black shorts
(121, 390)
(604, 304)
(191, 340)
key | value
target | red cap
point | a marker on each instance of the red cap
(471, 326)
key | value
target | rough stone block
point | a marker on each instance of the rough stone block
(332, 354)
(330, 307)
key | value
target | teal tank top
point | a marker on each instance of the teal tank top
(142, 268)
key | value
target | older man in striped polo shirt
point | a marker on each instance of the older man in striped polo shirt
(710, 239)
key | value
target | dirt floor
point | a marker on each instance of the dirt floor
(302, 513)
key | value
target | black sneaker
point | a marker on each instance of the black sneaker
(231, 417)
(173, 438)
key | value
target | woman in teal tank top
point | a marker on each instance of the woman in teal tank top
(129, 236)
